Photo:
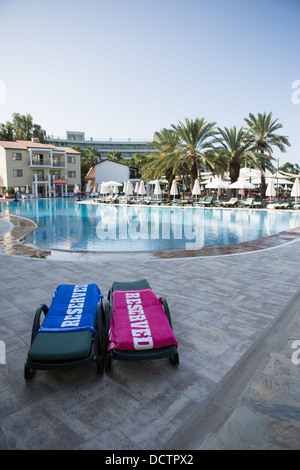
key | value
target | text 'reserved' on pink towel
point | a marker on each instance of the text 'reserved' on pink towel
(139, 322)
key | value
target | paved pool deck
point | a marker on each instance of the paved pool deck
(236, 318)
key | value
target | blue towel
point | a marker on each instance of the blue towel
(73, 308)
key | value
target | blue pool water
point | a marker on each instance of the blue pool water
(66, 225)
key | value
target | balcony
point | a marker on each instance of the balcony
(40, 162)
(47, 164)
(59, 164)
(40, 178)
(41, 158)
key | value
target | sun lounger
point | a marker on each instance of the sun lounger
(114, 199)
(156, 201)
(247, 203)
(137, 324)
(186, 202)
(208, 201)
(257, 202)
(68, 333)
(279, 205)
(200, 201)
(232, 202)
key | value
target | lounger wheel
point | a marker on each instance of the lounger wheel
(100, 365)
(99, 339)
(174, 359)
(28, 372)
(107, 363)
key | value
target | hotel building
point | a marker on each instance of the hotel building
(41, 169)
(127, 147)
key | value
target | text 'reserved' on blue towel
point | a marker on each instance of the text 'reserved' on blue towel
(73, 308)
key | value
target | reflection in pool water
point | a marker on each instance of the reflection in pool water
(66, 225)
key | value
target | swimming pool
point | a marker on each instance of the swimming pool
(66, 225)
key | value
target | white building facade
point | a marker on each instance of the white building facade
(126, 147)
(40, 169)
(108, 170)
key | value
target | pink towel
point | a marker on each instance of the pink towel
(139, 322)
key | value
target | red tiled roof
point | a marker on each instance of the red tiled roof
(25, 144)
(90, 174)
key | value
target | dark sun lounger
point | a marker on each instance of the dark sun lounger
(68, 333)
(137, 325)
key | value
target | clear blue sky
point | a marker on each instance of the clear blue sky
(126, 68)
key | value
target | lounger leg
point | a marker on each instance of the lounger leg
(100, 365)
(99, 339)
(174, 359)
(28, 372)
(166, 309)
(107, 362)
(37, 320)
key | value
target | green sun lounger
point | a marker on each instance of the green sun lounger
(144, 316)
(69, 333)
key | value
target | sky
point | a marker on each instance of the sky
(126, 68)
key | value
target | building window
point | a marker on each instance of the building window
(55, 173)
(16, 156)
(71, 174)
(39, 174)
(17, 172)
(71, 159)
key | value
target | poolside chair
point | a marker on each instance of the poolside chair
(114, 199)
(156, 201)
(208, 201)
(279, 205)
(257, 202)
(247, 203)
(137, 324)
(232, 202)
(186, 202)
(200, 201)
(175, 202)
(69, 333)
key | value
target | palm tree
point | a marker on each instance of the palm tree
(116, 156)
(233, 149)
(192, 151)
(263, 137)
(88, 159)
(161, 162)
(138, 159)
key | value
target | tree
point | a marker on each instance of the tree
(182, 150)
(163, 158)
(139, 159)
(22, 127)
(263, 137)
(233, 149)
(288, 167)
(192, 151)
(116, 156)
(6, 131)
(88, 159)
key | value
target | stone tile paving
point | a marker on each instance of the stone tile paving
(219, 305)
(267, 413)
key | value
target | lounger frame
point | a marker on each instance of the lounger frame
(169, 352)
(96, 352)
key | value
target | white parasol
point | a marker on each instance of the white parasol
(296, 189)
(174, 189)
